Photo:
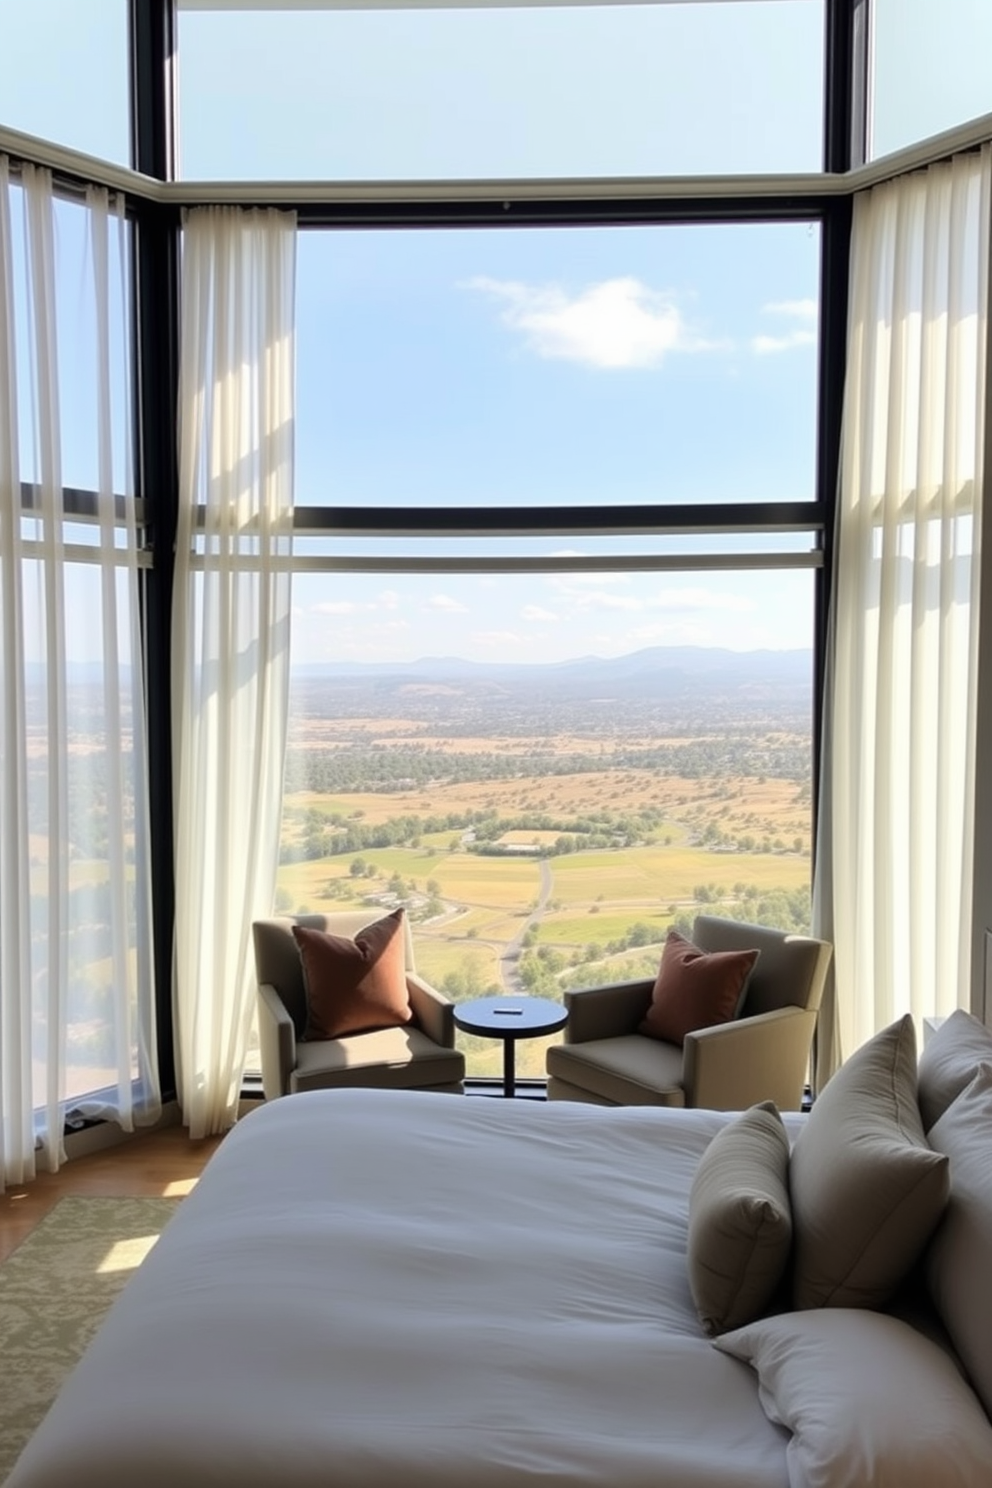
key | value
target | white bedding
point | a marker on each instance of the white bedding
(369, 1288)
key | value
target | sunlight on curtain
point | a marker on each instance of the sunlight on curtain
(231, 616)
(894, 875)
(77, 1031)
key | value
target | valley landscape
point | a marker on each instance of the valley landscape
(546, 825)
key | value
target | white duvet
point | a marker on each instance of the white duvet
(377, 1288)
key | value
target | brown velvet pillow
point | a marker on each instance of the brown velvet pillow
(695, 988)
(354, 986)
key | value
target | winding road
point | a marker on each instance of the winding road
(509, 961)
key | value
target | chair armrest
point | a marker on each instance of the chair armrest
(276, 1042)
(606, 1012)
(434, 1012)
(734, 1065)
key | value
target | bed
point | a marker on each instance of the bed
(369, 1287)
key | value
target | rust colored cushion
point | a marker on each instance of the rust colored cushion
(354, 986)
(695, 988)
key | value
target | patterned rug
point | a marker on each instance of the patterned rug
(54, 1291)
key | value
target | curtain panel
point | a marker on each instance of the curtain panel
(894, 870)
(77, 1030)
(231, 622)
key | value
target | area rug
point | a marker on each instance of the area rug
(54, 1290)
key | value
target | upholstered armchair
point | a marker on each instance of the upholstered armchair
(420, 1054)
(761, 1054)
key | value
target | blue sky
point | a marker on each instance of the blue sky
(510, 368)
(552, 367)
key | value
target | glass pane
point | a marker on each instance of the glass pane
(931, 68)
(516, 91)
(557, 367)
(64, 73)
(76, 434)
(105, 916)
(548, 771)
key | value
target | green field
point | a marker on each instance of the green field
(598, 914)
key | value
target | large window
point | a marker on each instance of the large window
(73, 765)
(558, 367)
(452, 92)
(552, 746)
(549, 769)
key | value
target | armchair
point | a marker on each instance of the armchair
(419, 1055)
(760, 1055)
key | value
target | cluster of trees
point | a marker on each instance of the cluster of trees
(364, 767)
(546, 970)
(322, 834)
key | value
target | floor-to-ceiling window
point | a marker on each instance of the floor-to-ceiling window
(560, 267)
(554, 736)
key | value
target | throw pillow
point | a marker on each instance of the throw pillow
(948, 1062)
(867, 1399)
(354, 986)
(740, 1223)
(867, 1190)
(695, 989)
(958, 1261)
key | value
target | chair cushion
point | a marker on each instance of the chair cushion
(959, 1260)
(353, 986)
(740, 1221)
(625, 1071)
(948, 1062)
(389, 1059)
(867, 1189)
(695, 989)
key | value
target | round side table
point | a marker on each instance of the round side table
(509, 1019)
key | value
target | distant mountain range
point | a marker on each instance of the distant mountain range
(659, 671)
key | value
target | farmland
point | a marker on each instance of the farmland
(547, 832)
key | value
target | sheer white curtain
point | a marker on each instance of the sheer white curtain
(894, 875)
(77, 1030)
(231, 616)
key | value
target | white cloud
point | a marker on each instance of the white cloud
(535, 612)
(699, 599)
(387, 600)
(807, 310)
(616, 323)
(768, 345)
(337, 607)
(498, 638)
(580, 601)
(579, 583)
(445, 603)
(803, 315)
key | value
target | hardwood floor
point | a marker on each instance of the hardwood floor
(164, 1162)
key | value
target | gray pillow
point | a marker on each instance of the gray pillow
(959, 1262)
(740, 1224)
(867, 1399)
(948, 1062)
(867, 1190)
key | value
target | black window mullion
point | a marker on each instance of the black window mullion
(835, 250)
(845, 85)
(152, 62)
(156, 361)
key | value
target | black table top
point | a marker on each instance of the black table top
(510, 1017)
